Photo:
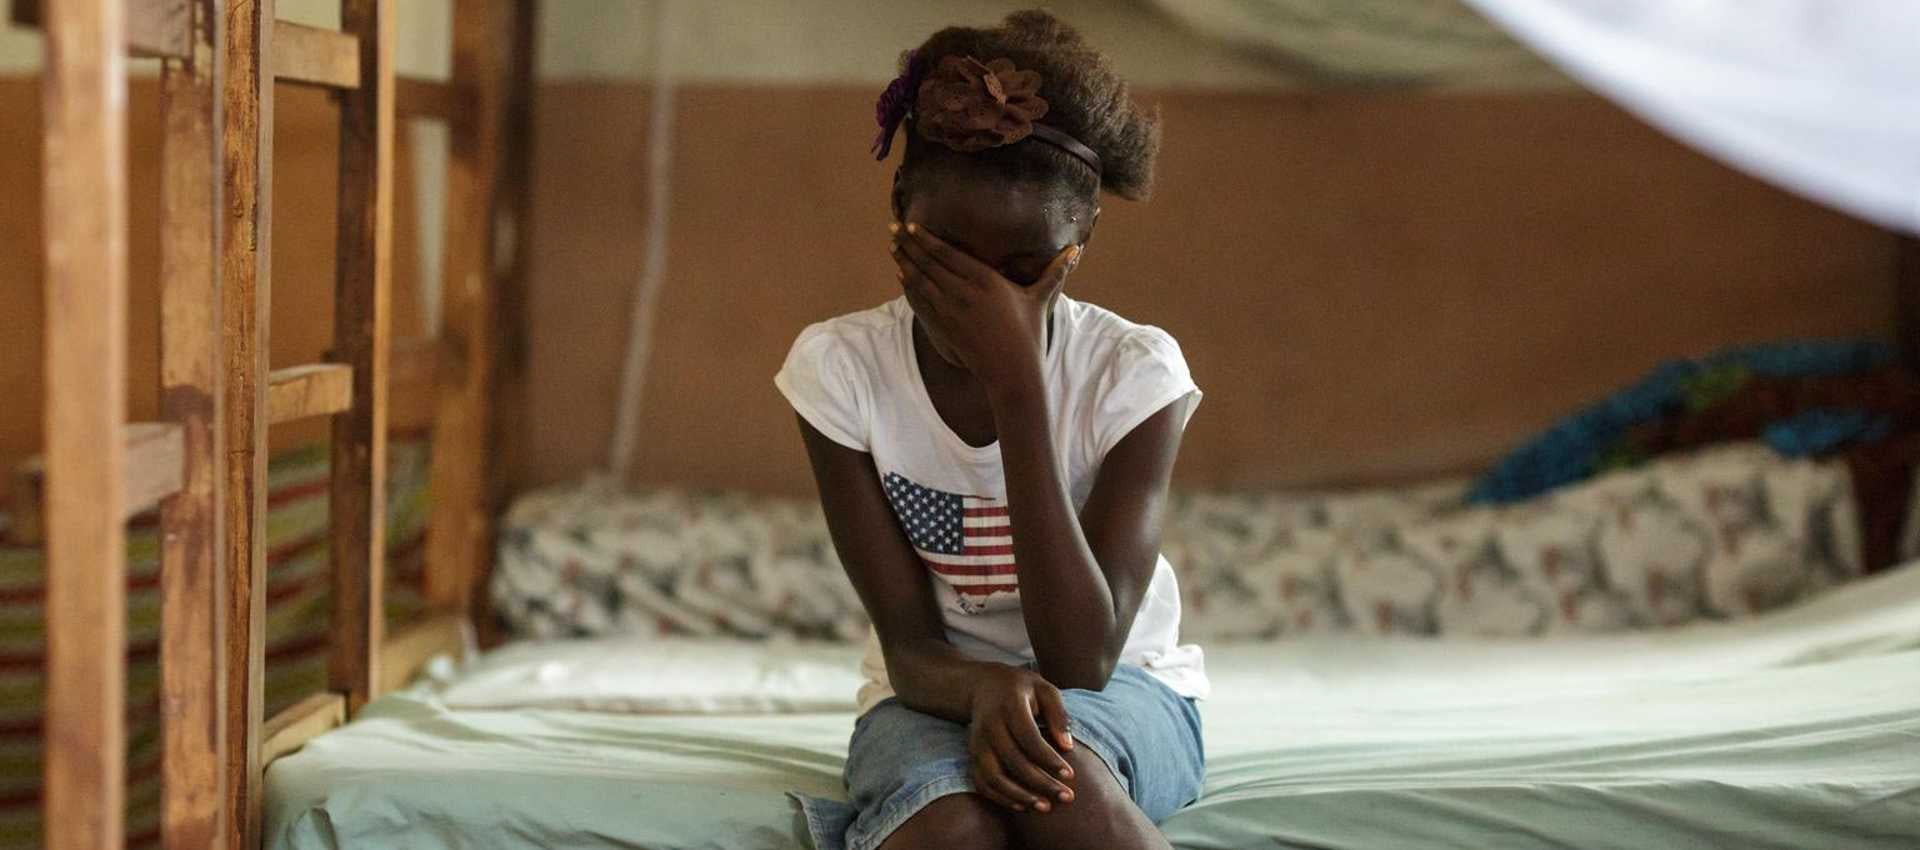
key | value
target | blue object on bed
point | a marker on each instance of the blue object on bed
(1578, 446)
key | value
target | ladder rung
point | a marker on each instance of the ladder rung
(156, 468)
(159, 29)
(321, 57)
(156, 464)
(316, 389)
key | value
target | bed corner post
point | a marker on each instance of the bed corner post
(1906, 298)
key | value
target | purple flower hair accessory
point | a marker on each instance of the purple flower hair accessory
(894, 103)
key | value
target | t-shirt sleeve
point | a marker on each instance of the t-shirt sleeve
(1146, 374)
(826, 387)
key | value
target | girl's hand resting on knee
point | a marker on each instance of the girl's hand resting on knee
(1014, 764)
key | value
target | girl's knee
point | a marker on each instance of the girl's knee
(1100, 816)
(954, 822)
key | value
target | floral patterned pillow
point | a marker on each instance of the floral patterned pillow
(1720, 534)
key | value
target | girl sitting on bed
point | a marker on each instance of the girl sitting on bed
(993, 459)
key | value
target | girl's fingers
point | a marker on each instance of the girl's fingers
(941, 276)
(1018, 761)
(1055, 276)
(993, 776)
(959, 262)
(1045, 760)
(1054, 709)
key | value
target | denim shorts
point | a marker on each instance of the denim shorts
(900, 760)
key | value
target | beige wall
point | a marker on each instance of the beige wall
(1368, 286)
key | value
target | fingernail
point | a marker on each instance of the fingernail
(1065, 796)
(1041, 806)
(893, 227)
(893, 247)
(913, 227)
(1019, 808)
(1066, 773)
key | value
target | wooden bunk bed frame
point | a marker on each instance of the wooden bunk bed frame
(203, 464)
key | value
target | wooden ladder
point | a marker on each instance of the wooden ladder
(204, 463)
(356, 64)
(102, 469)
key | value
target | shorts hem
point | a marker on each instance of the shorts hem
(892, 817)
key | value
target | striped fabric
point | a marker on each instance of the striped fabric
(297, 611)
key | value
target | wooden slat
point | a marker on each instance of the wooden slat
(246, 276)
(458, 536)
(362, 333)
(299, 723)
(315, 56)
(414, 97)
(407, 652)
(192, 561)
(156, 457)
(1906, 298)
(412, 382)
(85, 220)
(154, 28)
(316, 389)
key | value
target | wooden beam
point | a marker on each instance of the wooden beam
(315, 56)
(414, 97)
(412, 381)
(84, 156)
(192, 560)
(363, 327)
(407, 652)
(1906, 298)
(246, 275)
(156, 458)
(458, 530)
(299, 723)
(154, 28)
(316, 389)
(513, 220)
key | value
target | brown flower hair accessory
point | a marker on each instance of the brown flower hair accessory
(969, 105)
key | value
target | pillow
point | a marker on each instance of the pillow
(588, 560)
(650, 675)
(1720, 534)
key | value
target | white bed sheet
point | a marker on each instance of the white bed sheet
(1796, 729)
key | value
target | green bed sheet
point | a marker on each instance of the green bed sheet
(1799, 730)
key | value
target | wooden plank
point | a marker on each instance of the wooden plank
(412, 381)
(513, 217)
(407, 652)
(299, 723)
(246, 276)
(192, 560)
(315, 56)
(156, 457)
(316, 389)
(458, 536)
(154, 28)
(362, 333)
(1906, 297)
(414, 97)
(85, 219)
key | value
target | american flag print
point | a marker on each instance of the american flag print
(965, 540)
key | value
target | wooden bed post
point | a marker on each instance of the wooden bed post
(246, 275)
(85, 162)
(362, 340)
(193, 662)
(459, 535)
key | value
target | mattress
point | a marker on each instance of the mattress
(1792, 730)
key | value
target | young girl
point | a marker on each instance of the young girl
(993, 459)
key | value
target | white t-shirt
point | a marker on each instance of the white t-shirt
(855, 379)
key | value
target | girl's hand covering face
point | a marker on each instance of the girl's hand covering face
(994, 326)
